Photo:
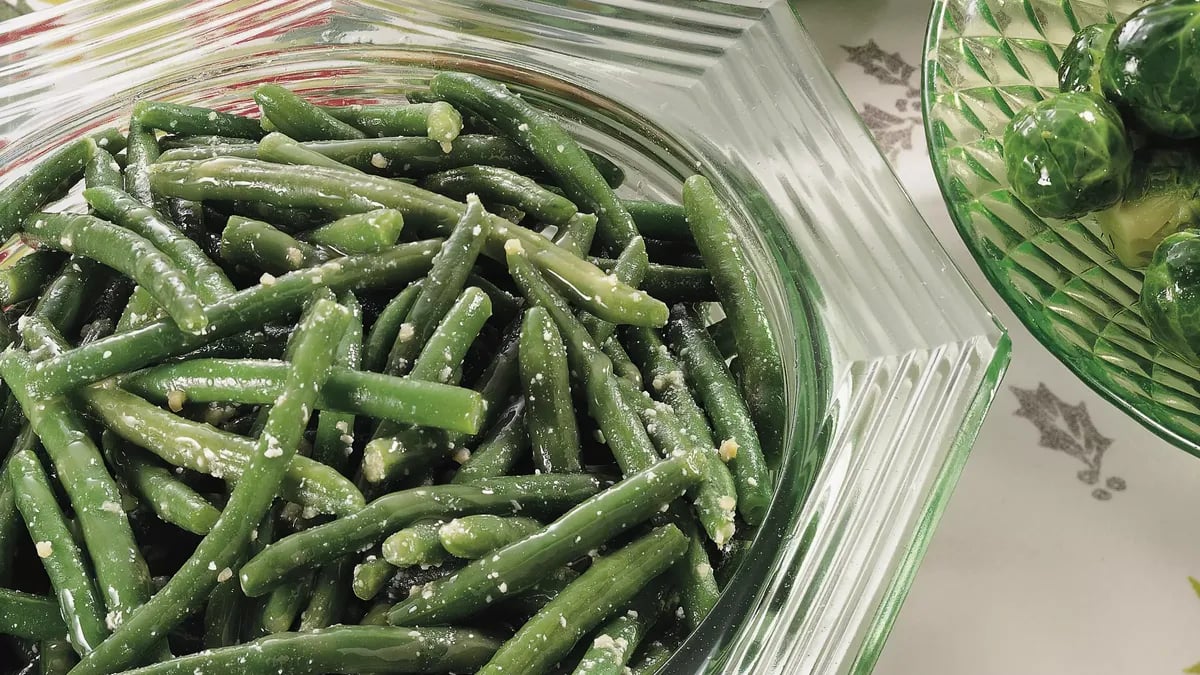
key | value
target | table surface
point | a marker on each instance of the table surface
(1042, 563)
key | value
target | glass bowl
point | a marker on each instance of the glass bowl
(985, 60)
(891, 360)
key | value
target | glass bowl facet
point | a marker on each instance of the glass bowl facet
(891, 359)
(984, 61)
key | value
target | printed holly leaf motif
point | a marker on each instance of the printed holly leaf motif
(887, 67)
(1065, 428)
(893, 133)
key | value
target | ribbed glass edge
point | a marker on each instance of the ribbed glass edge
(912, 355)
(939, 496)
(1136, 406)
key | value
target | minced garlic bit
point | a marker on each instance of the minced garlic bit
(407, 331)
(513, 246)
(225, 575)
(175, 400)
(44, 549)
(267, 279)
(728, 450)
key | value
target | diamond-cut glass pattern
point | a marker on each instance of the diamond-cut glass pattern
(985, 60)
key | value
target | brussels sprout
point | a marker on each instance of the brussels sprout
(1068, 155)
(1079, 67)
(1163, 197)
(1151, 68)
(1171, 294)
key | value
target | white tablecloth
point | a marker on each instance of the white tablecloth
(1068, 544)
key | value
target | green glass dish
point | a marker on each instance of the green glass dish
(984, 61)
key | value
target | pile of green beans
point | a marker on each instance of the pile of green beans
(344, 389)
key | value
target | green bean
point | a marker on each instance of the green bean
(334, 440)
(417, 157)
(298, 118)
(394, 451)
(186, 120)
(629, 267)
(62, 300)
(616, 641)
(203, 448)
(656, 220)
(417, 544)
(344, 192)
(693, 574)
(283, 605)
(716, 497)
(328, 542)
(667, 382)
(671, 283)
(10, 520)
(170, 499)
(439, 120)
(504, 186)
(369, 577)
(282, 149)
(203, 140)
(652, 658)
(139, 311)
(357, 649)
(329, 596)
(625, 436)
(141, 152)
(56, 657)
(549, 412)
(499, 380)
(265, 342)
(120, 571)
(473, 537)
(24, 270)
(81, 608)
(223, 614)
(575, 236)
(387, 326)
(447, 346)
(499, 451)
(29, 617)
(127, 252)
(49, 180)
(622, 365)
(376, 615)
(40, 338)
(611, 582)
(710, 378)
(101, 169)
(320, 330)
(533, 600)
(505, 305)
(260, 246)
(370, 232)
(253, 306)
(558, 152)
(348, 391)
(737, 285)
(441, 288)
(519, 565)
(197, 151)
(205, 277)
